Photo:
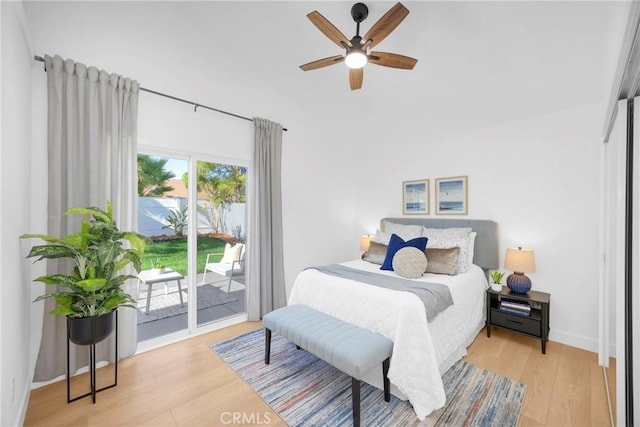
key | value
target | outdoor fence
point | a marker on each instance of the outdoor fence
(227, 219)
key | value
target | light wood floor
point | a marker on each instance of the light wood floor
(187, 384)
(565, 386)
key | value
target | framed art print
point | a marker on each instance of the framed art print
(415, 197)
(451, 196)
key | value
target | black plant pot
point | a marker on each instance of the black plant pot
(90, 330)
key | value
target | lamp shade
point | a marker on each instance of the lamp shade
(364, 242)
(520, 260)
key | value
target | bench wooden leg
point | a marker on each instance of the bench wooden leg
(267, 345)
(385, 380)
(355, 399)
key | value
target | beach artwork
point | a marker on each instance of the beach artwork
(415, 197)
(451, 195)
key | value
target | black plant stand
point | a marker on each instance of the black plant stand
(92, 367)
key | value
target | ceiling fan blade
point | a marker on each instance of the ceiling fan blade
(392, 60)
(328, 29)
(383, 27)
(355, 78)
(324, 62)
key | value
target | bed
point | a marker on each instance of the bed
(423, 350)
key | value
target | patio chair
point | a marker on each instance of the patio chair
(231, 264)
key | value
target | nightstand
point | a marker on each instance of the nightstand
(536, 325)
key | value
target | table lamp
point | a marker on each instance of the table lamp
(364, 242)
(519, 261)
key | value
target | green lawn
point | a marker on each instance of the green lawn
(173, 253)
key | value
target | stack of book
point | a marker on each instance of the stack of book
(515, 307)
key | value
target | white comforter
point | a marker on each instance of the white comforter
(422, 351)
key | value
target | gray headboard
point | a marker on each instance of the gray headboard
(486, 249)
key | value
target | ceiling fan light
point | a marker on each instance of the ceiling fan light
(355, 59)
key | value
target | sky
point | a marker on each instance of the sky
(177, 166)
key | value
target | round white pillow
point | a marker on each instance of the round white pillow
(409, 262)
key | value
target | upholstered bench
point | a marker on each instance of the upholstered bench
(350, 348)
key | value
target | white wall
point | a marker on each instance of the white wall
(538, 179)
(15, 182)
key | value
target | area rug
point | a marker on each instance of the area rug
(306, 391)
(163, 306)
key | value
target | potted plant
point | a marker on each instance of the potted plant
(496, 278)
(158, 267)
(91, 292)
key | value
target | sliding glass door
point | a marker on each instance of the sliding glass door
(162, 216)
(221, 237)
(193, 271)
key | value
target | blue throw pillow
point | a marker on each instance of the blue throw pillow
(396, 243)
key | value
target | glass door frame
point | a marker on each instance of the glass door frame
(193, 329)
(192, 241)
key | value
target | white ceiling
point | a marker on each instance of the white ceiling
(478, 62)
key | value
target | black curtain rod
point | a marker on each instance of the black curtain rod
(175, 98)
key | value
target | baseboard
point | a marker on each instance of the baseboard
(574, 340)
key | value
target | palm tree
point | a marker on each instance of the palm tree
(152, 176)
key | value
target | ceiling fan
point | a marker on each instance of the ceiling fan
(358, 48)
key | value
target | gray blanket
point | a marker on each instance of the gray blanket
(435, 296)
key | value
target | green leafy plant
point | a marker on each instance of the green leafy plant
(94, 286)
(177, 220)
(497, 276)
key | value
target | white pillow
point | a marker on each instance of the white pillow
(450, 238)
(232, 253)
(471, 246)
(442, 233)
(382, 237)
(407, 232)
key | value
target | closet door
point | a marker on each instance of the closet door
(612, 279)
(633, 306)
(620, 279)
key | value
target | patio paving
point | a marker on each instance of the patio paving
(160, 327)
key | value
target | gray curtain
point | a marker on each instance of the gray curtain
(265, 277)
(92, 158)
